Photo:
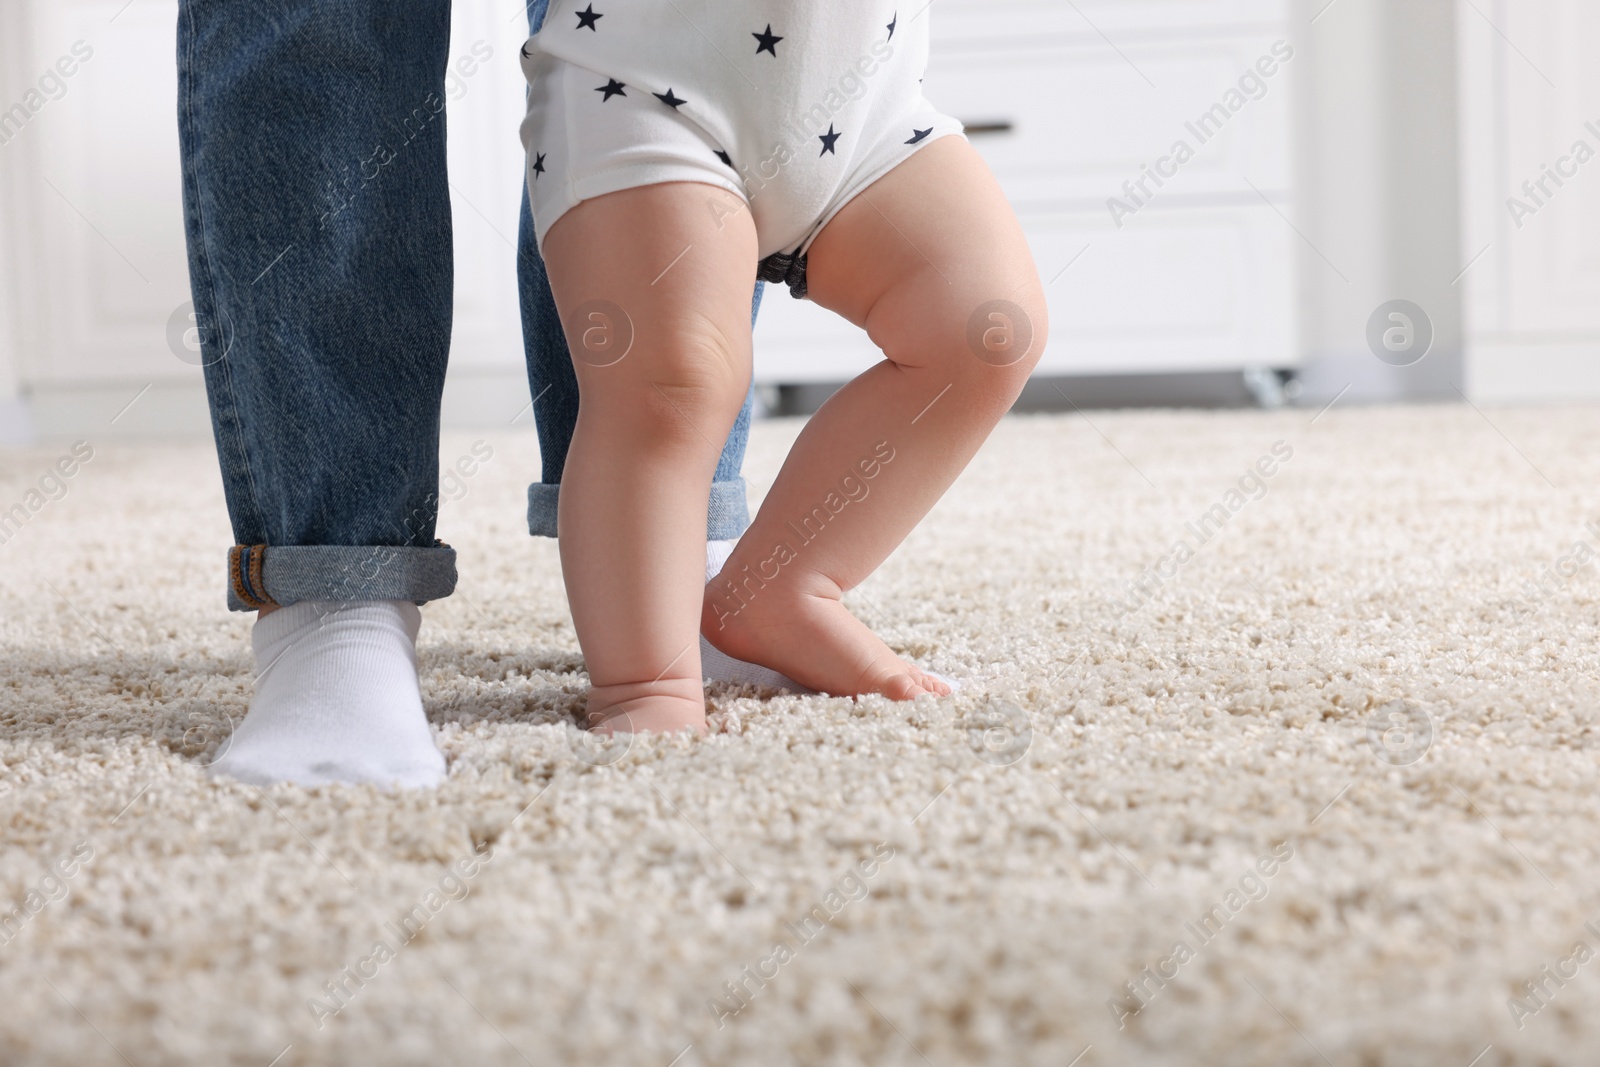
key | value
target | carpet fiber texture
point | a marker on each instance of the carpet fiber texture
(1276, 744)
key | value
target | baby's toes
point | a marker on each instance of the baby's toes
(901, 687)
(912, 683)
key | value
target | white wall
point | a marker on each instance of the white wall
(15, 425)
(1377, 171)
(1530, 88)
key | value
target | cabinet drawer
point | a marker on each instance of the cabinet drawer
(1076, 122)
(1194, 289)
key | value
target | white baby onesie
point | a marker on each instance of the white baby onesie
(795, 107)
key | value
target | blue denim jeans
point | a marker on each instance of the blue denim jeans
(317, 212)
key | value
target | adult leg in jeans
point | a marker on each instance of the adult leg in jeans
(318, 222)
(554, 388)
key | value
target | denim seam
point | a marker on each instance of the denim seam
(258, 584)
(236, 574)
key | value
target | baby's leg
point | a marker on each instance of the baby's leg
(653, 285)
(914, 260)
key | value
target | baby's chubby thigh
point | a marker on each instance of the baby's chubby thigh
(653, 286)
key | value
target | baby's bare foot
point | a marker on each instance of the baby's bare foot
(813, 639)
(658, 707)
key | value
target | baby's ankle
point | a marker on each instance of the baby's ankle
(728, 623)
(659, 706)
(739, 618)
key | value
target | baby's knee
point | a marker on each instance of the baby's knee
(1006, 338)
(703, 374)
(986, 345)
(690, 390)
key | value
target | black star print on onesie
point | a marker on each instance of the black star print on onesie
(588, 18)
(610, 88)
(918, 135)
(769, 43)
(893, 23)
(827, 140)
(670, 98)
(538, 166)
(725, 157)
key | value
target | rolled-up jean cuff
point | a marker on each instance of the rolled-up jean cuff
(266, 575)
(726, 519)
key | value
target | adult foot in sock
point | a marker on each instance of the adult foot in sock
(336, 699)
(715, 664)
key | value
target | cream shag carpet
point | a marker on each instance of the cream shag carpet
(1323, 793)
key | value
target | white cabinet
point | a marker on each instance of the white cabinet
(1087, 97)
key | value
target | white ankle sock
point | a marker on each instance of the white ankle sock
(718, 666)
(336, 699)
(717, 553)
